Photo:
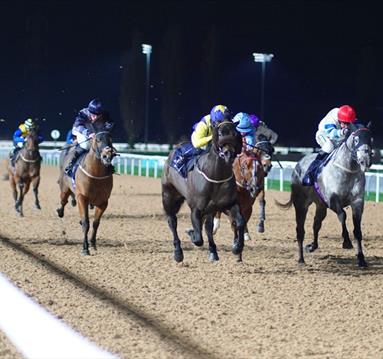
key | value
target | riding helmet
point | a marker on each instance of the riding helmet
(29, 123)
(219, 113)
(254, 120)
(346, 114)
(244, 124)
(95, 106)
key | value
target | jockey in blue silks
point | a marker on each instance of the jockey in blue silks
(246, 129)
(332, 130)
(19, 137)
(83, 129)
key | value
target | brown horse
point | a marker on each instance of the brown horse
(26, 171)
(250, 169)
(92, 185)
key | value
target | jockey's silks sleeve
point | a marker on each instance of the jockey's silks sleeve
(202, 135)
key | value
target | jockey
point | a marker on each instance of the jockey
(246, 129)
(19, 137)
(332, 130)
(262, 129)
(84, 129)
(202, 134)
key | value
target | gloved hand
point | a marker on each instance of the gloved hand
(20, 144)
(344, 132)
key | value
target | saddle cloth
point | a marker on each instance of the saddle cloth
(184, 158)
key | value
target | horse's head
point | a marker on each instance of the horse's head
(227, 141)
(103, 147)
(245, 171)
(31, 142)
(360, 144)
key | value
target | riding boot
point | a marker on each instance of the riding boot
(309, 177)
(76, 155)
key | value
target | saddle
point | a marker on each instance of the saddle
(184, 159)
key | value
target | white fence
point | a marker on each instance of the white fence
(151, 166)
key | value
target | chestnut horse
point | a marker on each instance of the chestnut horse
(92, 185)
(250, 170)
(26, 171)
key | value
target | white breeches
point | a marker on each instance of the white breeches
(82, 140)
(324, 142)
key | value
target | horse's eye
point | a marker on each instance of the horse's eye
(356, 140)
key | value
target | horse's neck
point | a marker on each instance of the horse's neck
(343, 158)
(30, 153)
(93, 164)
(212, 164)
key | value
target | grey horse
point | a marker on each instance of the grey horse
(341, 183)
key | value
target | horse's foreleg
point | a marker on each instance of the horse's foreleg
(84, 215)
(239, 223)
(13, 187)
(216, 222)
(35, 186)
(196, 219)
(300, 218)
(357, 212)
(346, 237)
(262, 215)
(320, 215)
(96, 222)
(19, 202)
(213, 255)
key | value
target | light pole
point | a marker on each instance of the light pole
(147, 50)
(263, 58)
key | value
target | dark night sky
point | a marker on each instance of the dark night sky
(326, 53)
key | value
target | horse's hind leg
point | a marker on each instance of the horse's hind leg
(23, 189)
(96, 222)
(239, 222)
(63, 200)
(216, 222)
(84, 215)
(213, 255)
(346, 237)
(357, 211)
(300, 218)
(196, 236)
(35, 186)
(262, 215)
(320, 215)
(172, 201)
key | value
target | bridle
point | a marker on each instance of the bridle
(98, 149)
(354, 149)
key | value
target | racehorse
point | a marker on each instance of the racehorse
(340, 184)
(209, 187)
(92, 185)
(26, 171)
(250, 169)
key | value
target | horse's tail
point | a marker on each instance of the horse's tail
(286, 205)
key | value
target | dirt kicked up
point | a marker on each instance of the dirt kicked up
(132, 299)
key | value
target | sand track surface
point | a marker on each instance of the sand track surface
(132, 299)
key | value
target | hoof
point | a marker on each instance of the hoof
(198, 243)
(239, 258)
(178, 256)
(73, 203)
(37, 206)
(347, 245)
(361, 261)
(213, 257)
(237, 249)
(247, 237)
(94, 247)
(301, 262)
(260, 228)
(60, 212)
(85, 252)
(310, 248)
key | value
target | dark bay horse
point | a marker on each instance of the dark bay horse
(26, 171)
(249, 170)
(340, 184)
(209, 187)
(92, 186)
